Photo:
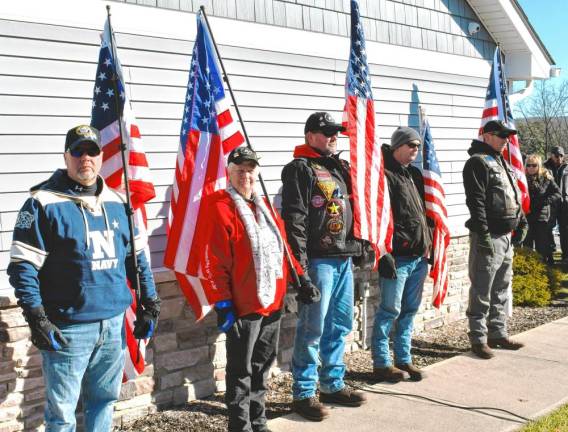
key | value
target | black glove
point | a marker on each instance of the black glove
(519, 235)
(147, 314)
(387, 267)
(45, 335)
(226, 316)
(485, 245)
(366, 260)
(308, 293)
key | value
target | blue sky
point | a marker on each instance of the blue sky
(550, 20)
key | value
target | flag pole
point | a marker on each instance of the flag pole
(262, 185)
(129, 210)
(503, 96)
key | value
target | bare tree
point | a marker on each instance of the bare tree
(542, 118)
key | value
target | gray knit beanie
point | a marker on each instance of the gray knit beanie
(402, 136)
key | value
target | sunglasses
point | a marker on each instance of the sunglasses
(532, 165)
(500, 135)
(327, 133)
(413, 145)
(79, 152)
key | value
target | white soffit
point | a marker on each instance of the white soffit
(526, 56)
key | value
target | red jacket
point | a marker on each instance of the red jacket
(229, 259)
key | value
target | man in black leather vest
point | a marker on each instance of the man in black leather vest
(317, 211)
(497, 223)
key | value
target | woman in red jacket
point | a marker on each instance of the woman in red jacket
(246, 265)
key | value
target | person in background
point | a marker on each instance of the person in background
(245, 263)
(544, 195)
(69, 263)
(556, 164)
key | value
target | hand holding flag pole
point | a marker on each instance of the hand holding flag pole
(294, 274)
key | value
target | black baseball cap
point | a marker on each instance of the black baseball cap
(557, 150)
(322, 122)
(497, 127)
(243, 154)
(81, 134)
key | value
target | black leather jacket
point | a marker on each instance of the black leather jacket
(412, 229)
(492, 195)
(319, 221)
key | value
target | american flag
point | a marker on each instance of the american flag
(372, 212)
(435, 199)
(207, 135)
(497, 108)
(105, 118)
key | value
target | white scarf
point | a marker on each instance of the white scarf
(266, 245)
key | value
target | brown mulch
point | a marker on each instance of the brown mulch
(209, 415)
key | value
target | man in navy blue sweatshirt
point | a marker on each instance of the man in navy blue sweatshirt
(70, 260)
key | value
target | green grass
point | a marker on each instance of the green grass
(557, 421)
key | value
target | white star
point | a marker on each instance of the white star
(216, 90)
(104, 106)
(193, 62)
(115, 224)
(102, 76)
(205, 120)
(107, 62)
(208, 85)
(190, 86)
(207, 103)
(183, 131)
(94, 104)
(97, 90)
(186, 109)
(188, 97)
(185, 120)
(207, 69)
(110, 92)
(122, 95)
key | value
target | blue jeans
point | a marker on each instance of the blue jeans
(322, 328)
(400, 300)
(93, 360)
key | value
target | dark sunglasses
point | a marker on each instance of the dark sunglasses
(413, 145)
(328, 132)
(500, 135)
(79, 152)
(532, 165)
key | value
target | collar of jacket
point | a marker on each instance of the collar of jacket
(391, 163)
(61, 184)
(478, 146)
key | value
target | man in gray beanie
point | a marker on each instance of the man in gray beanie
(402, 272)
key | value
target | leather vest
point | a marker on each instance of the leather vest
(502, 197)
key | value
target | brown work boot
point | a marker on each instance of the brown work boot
(505, 343)
(310, 408)
(388, 374)
(481, 350)
(345, 397)
(415, 373)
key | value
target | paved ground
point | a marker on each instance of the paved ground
(529, 382)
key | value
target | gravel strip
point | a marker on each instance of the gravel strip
(209, 415)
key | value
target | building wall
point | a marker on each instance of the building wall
(48, 54)
(436, 25)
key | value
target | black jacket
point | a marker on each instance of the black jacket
(412, 229)
(544, 196)
(492, 195)
(317, 227)
(556, 171)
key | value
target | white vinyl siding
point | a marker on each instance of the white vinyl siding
(46, 85)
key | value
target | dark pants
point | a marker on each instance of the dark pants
(251, 348)
(540, 238)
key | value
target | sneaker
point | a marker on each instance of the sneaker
(345, 397)
(483, 351)
(415, 373)
(310, 408)
(388, 374)
(505, 343)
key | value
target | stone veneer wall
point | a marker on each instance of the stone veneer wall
(186, 359)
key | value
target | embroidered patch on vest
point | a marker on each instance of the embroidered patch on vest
(25, 220)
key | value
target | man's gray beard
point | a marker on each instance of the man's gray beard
(86, 177)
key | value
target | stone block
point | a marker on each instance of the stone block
(169, 290)
(34, 395)
(7, 301)
(220, 386)
(7, 366)
(171, 380)
(218, 355)
(11, 426)
(9, 413)
(192, 337)
(199, 372)
(135, 402)
(171, 308)
(219, 374)
(23, 384)
(163, 398)
(33, 421)
(12, 317)
(285, 356)
(127, 390)
(144, 385)
(30, 361)
(12, 400)
(165, 342)
(14, 334)
(434, 323)
(10, 376)
(130, 415)
(201, 389)
(182, 359)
